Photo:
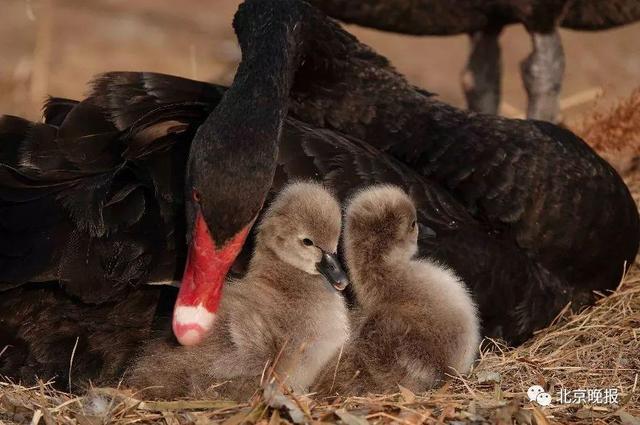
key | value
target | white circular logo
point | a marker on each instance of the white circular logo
(533, 392)
(544, 399)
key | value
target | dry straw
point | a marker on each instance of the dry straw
(615, 133)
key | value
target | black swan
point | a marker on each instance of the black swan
(542, 71)
(93, 199)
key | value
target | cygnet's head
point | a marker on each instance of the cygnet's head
(381, 224)
(302, 228)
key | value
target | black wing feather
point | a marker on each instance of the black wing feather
(104, 171)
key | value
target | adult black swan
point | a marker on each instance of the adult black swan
(93, 199)
(543, 69)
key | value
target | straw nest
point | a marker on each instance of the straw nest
(595, 349)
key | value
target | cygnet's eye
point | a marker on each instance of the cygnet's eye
(307, 242)
(413, 224)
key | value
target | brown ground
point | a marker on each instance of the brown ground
(55, 46)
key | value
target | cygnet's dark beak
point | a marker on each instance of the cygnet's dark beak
(330, 268)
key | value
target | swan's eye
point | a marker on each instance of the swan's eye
(307, 241)
(196, 195)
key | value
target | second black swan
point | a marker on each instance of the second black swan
(542, 70)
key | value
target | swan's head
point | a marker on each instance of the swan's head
(226, 186)
(381, 225)
(302, 228)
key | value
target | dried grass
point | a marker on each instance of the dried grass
(596, 348)
(615, 132)
(616, 129)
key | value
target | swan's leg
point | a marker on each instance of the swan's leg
(542, 73)
(482, 74)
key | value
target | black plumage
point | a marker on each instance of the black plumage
(93, 199)
(441, 17)
(483, 20)
(49, 334)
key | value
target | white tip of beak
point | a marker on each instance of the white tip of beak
(191, 324)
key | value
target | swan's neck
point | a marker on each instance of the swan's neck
(253, 109)
(234, 153)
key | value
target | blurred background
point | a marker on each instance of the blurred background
(55, 46)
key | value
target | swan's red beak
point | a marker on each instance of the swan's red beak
(202, 282)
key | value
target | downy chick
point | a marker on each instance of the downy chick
(416, 320)
(286, 309)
